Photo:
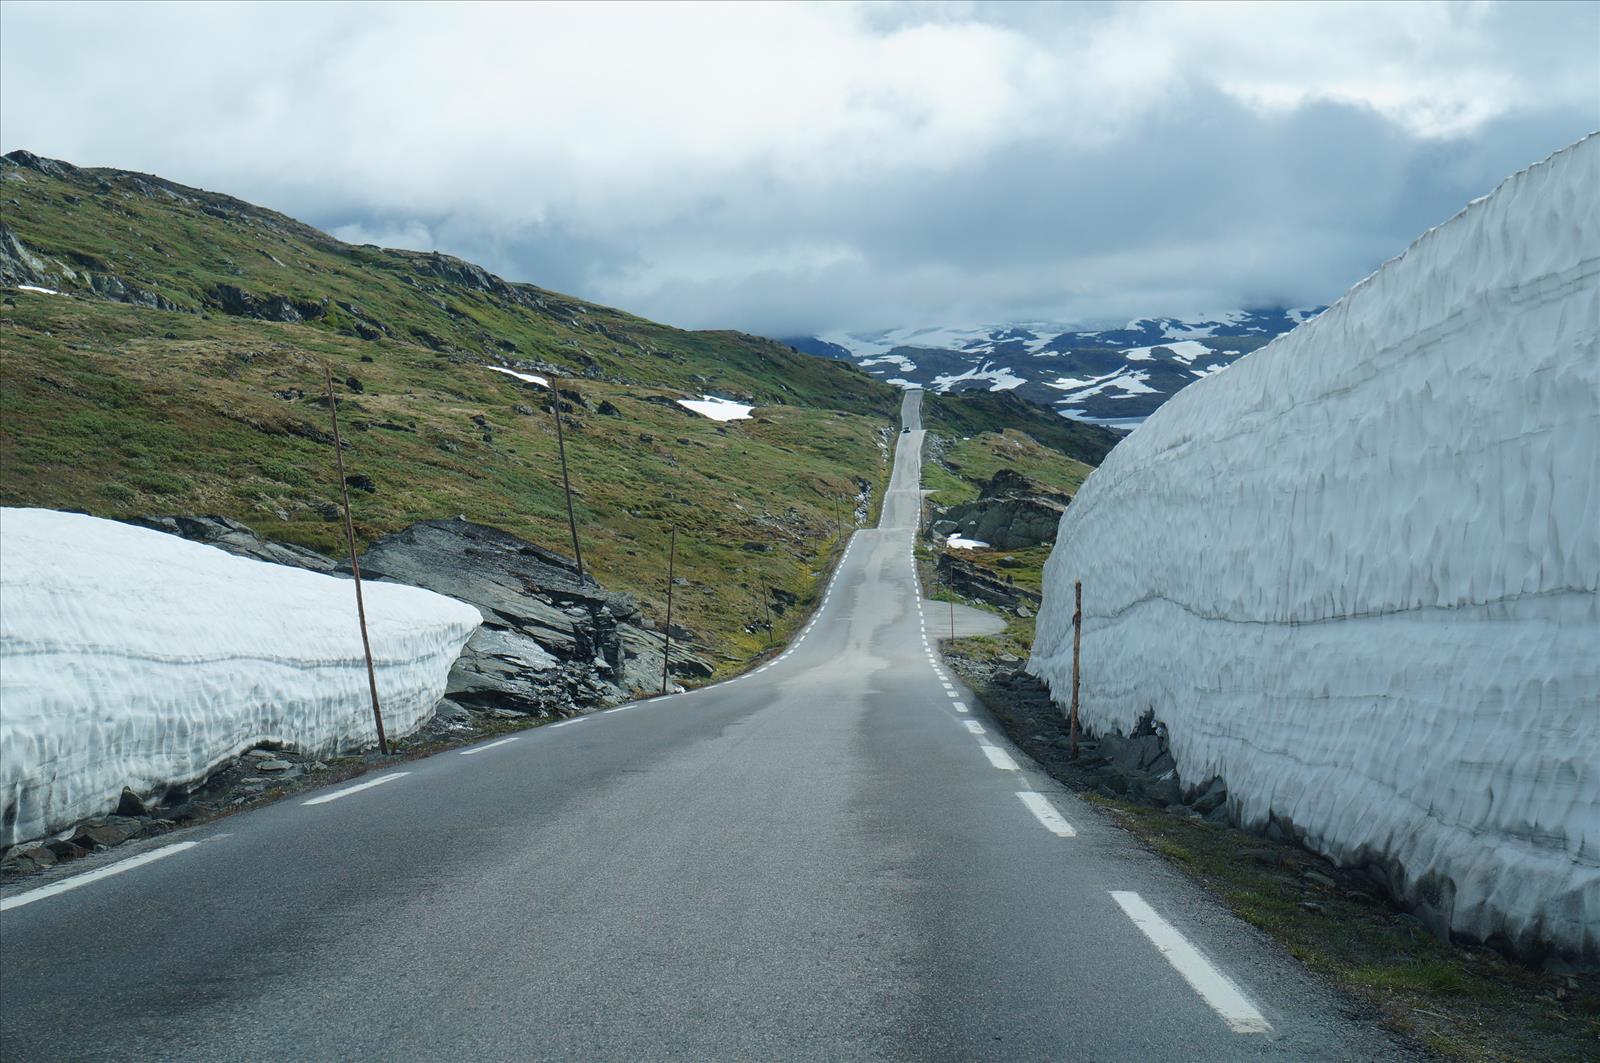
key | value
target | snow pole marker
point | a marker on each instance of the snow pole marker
(355, 565)
(1077, 633)
(666, 652)
(566, 480)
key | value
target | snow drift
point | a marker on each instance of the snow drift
(133, 658)
(1357, 573)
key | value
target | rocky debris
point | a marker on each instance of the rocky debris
(1010, 513)
(234, 300)
(259, 773)
(608, 409)
(227, 534)
(975, 581)
(118, 290)
(550, 644)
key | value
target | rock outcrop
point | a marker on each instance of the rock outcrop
(236, 538)
(549, 643)
(1010, 513)
(975, 581)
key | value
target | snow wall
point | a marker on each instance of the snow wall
(133, 658)
(1357, 573)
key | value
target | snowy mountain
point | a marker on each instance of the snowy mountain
(1113, 375)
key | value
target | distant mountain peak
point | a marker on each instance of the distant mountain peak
(1117, 375)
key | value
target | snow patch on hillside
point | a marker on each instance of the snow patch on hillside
(1184, 351)
(1000, 378)
(1358, 575)
(133, 658)
(526, 378)
(717, 409)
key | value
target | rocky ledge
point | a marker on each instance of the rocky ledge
(1011, 512)
(550, 644)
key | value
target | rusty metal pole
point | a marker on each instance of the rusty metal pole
(766, 607)
(1077, 633)
(566, 481)
(355, 566)
(952, 616)
(666, 652)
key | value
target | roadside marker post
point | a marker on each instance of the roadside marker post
(1077, 633)
(666, 652)
(355, 566)
(566, 480)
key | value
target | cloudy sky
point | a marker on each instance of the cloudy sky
(792, 169)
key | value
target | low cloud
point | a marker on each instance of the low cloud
(797, 168)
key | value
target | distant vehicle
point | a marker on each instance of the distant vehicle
(903, 431)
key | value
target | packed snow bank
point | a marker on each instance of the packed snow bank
(133, 658)
(718, 409)
(1358, 575)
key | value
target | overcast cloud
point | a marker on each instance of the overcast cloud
(798, 168)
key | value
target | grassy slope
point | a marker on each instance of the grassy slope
(972, 413)
(118, 409)
(183, 244)
(968, 463)
(100, 416)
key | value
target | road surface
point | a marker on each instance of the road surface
(836, 857)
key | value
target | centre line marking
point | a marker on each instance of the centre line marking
(347, 791)
(20, 899)
(1218, 990)
(999, 757)
(491, 745)
(1046, 814)
(974, 726)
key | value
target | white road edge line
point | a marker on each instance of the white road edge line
(1217, 989)
(491, 745)
(580, 719)
(1047, 814)
(961, 706)
(20, 899)
(348, 790)
(999, 757)
(974, 726)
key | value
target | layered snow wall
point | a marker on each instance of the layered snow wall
(1357, 574)
(133, 658)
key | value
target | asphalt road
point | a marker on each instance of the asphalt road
(825, 860)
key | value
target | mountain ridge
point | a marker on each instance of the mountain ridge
(1113, 374)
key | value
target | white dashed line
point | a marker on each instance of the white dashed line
(580, 719)
(347, 791)
(1046, 814)
(491, 745)
(974, 726)
(77, 881)
(1225, 998)
(999, 758)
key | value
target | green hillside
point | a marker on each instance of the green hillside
(179, 370)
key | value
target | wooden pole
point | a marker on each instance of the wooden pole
(766, 606)
(1077, 635)
(355, 566)
(566, 480)
(666, 652)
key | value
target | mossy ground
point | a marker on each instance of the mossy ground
(119, 411)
